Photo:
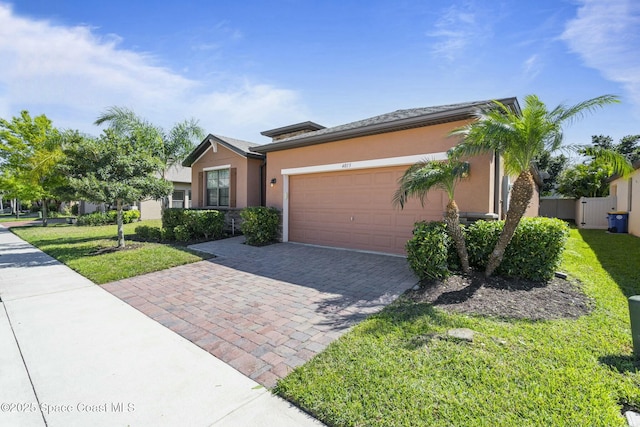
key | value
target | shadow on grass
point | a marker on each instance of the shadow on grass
(622, 364)
(404, 312)
(619, 255)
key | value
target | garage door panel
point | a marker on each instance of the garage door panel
(383, 219)
(353, 209)
(384, 178)
(361, 179)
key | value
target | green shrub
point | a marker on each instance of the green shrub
(209, 224)
(533, 253)
(128, 216)
(110, 217)
(481, 238)
(198, 223)
(428, 250)
(95, 219)
(172, 217)
(146, 232)
(260, 225)
(182, 233)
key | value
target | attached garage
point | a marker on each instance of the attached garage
(352, 209)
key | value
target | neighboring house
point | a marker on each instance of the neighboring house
(180, 177)
(627, 193)
(226, 175)
(335, 185)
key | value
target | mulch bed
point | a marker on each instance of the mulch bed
(506, 298)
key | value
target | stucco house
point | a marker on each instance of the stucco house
(334, 186)
(226, 175)
(627, 194)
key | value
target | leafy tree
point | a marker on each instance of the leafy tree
(628, 147)
(121, 166)
(590, 178)
(553, 166)
(602, 141)
(520, 138)
(586, 180)
(428, 175)
(30, 151)
(174, 146)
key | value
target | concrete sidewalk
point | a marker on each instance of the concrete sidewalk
(74, 355)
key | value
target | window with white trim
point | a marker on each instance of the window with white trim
(218, 187)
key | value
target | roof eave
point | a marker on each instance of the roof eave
(206, 144)
(462, 113)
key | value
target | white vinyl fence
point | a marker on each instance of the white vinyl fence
(591, 212)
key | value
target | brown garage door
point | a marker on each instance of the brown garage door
(352, 209)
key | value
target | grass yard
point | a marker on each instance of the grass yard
(397, 369)
(85, 249)
(22, 217)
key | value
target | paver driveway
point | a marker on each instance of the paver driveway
(267, 310)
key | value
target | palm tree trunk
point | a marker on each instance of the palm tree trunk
(119, 222)
(452, 219)
(521, 194)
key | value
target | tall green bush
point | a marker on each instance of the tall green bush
(428, 250)
(260, 225)
(186, 224)
(534, 251)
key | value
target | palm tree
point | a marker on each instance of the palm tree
(519, 138)
(177, 144)
(427, 175)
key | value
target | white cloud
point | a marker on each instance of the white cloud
(71, 74)
(532, 66)
(606, 34)
(457, 28)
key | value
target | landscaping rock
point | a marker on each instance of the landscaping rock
(633, 418)
(463, 334)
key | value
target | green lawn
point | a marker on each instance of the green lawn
(390, 371)
(22, 217)
(79, 248)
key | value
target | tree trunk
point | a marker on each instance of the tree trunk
(119, 222)
(45, 209)
(521, 194)
(452, 219)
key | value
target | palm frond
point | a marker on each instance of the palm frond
(620, 164)
(569, 114)
(424, 176)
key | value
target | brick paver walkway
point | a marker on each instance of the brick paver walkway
(267, 310)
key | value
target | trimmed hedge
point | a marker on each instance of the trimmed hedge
(106, 218)
(534, 252)
(149, 233)
(260, 225)
(187, 224)
(428, 250)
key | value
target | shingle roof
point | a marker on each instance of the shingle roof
(397, 120)
(239, 146)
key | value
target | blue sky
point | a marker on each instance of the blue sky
(244, 67)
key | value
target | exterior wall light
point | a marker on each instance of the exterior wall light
(273, 182)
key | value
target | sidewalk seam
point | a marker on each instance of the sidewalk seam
(51, 293)
(35, 393)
